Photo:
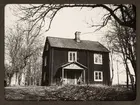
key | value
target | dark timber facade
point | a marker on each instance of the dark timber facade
(74, 61)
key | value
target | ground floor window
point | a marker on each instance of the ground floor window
(98, 76)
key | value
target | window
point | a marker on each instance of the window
(98, 76)
(72, 56)
(45, 61)
(98, 59)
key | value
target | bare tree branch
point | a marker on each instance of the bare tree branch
(22, 45)
(36, 13)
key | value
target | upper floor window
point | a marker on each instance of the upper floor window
(72, 56)
(98, 59)
(98, 76)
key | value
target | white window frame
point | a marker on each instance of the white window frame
(72, 58)
(98, 79)
(100, 57)
(45, 61)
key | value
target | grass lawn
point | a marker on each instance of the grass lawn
(69, 93)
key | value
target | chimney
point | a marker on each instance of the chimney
(77, 36)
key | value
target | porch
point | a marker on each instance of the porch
(73, 73)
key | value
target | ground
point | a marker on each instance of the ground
(70, 92)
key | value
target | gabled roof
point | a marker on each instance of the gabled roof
(77, 63)
(72, 44)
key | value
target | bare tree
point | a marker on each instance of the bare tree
(123, 40)
(33, 76)
(21, 44)
(13, 46)
(124, 14)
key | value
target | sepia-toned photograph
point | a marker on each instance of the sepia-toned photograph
(70, 52)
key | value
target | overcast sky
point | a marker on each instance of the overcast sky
(69, 20)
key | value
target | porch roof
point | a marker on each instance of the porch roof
(73, 65)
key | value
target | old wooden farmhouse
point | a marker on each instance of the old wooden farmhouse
(74, 61)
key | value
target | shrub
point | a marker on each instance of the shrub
(71, 92)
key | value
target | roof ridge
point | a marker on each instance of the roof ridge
(69, 38)
(71, 44)
(57, 37)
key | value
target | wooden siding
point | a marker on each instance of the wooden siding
(106, 68)
(82, 58)
(99, 67)
(47, 67)
(58, 57)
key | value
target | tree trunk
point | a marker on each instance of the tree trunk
(112, 67)
(127, 72)
(16, 78)
(127, 78)
(10, 77)
(134, 66)
(117, 72)
(130, 75)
